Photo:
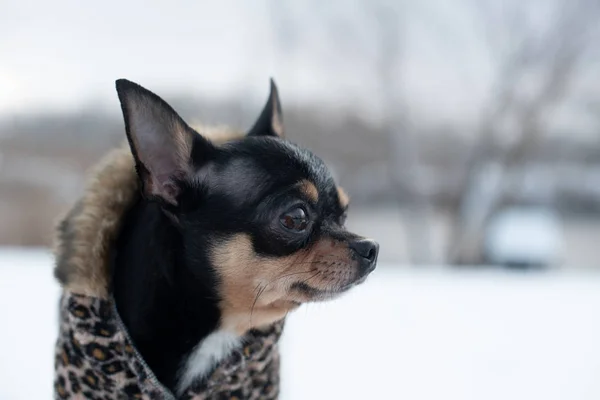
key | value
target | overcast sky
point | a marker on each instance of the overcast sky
(65, 54)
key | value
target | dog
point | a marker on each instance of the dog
(225, 238)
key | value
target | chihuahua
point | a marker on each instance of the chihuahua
(224, 238)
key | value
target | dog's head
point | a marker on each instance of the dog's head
(262, 213)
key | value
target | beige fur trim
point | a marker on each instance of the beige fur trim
(87, 232)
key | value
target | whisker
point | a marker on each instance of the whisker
(292, 274)
(255, 300)
(312, 262)
(310, 277)
(260, 288)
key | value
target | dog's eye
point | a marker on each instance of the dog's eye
(294, 220)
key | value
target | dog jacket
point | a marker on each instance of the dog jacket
(95, 357)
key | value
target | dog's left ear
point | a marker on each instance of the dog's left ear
(270, 121)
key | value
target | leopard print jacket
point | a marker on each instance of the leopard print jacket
(94, 356)
(96, 360)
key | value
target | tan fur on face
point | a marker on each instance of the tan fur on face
(87, 232)
(343, 196)
(310, 190)
(255, 289)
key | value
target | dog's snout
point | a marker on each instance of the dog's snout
(367, 250)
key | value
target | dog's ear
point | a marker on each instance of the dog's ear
(270, 121)
(161, 142)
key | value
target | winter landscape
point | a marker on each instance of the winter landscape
(467, 134)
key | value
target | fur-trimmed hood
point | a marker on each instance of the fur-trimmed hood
(85, 235)
(95, 357)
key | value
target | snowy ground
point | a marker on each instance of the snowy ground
(405, 334)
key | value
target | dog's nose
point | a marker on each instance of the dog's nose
(367, 249)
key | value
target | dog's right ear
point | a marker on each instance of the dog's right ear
(270, 121)
(161, 142)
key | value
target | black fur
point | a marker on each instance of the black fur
(165, 305)
(165, 287)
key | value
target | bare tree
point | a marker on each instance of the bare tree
(553, 56)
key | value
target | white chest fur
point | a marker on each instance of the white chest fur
(205, 355)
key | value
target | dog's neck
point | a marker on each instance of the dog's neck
(167, 310)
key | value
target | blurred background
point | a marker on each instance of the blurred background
(467, 134)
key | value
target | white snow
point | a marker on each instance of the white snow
(405, 334)
(29, 318)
